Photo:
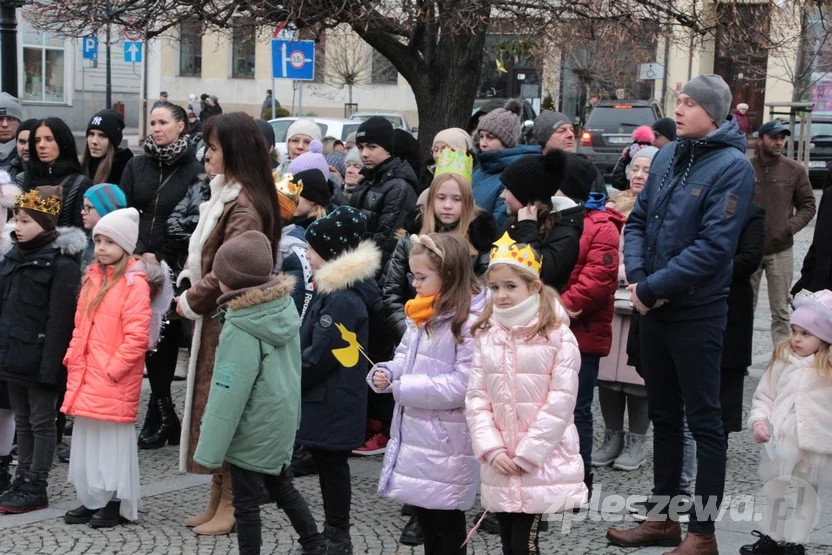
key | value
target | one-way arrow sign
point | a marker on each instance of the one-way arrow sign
(132, 51)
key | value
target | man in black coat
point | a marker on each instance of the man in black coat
(816, 273)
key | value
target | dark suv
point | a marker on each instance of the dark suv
(610, 127)
(820, 149)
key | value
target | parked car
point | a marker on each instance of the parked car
(398, 120)
(820, 149)
(609, 128)
(330, 127)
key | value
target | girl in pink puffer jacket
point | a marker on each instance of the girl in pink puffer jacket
(521, 398)
(429, 462)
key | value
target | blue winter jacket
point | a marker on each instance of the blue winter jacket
(680, 239)
(487, 184)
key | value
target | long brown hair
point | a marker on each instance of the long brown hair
(822, 362)
(104, 166)
(547, 317)
(246, 161)
(458, 280)
(469, 209)
(107, 283)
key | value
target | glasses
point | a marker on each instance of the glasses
(418, 278)
(87, 209)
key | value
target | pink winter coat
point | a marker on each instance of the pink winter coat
(105, 360)
(521, 396)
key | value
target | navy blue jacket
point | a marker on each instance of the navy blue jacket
(292, 260)
(680, 239)
(334, 372)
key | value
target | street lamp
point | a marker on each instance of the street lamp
(8, 45)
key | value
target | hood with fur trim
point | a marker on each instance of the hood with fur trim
(349, 268)
(279, 286)
(71, 241)
(267, 311)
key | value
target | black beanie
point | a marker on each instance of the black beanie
(315, 188)
(109, 122)
(340, 231)
(666, 127)
(535, 177)
(376, 130)
(267, 130)
(27, 125)
(579, 179)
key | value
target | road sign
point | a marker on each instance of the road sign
(293, 60)
(651, 71)
(132, 51)
(132, 35)
(89, 47)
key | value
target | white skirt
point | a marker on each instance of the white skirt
(104, 465)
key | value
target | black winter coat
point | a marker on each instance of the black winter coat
(619, 175)
(559, 249)
(387, 196)
(120, 159)
(38, 296)
(816, 273)
(397, 290)
(739, 332)
(182, 221)
(155, 189)
(333, 390)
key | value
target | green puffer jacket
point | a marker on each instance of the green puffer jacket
(253, 409)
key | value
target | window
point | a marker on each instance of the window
(242, 52)
(190, 48)
(43, 67)
(383, 70)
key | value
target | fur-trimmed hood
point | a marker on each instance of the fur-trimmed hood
(267, 311)
(349, 268)
(71, 241)
(6, 242)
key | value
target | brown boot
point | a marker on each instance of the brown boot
(211, 508)
(223, 522)
(697, 544)
(663, 533)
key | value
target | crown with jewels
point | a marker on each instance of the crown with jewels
(287, 188)
(33, 201)
(455, 162)
(508, 251)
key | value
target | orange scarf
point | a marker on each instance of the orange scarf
(420, 309)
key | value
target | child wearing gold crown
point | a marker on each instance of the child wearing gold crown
(38, 289)
(521, 397)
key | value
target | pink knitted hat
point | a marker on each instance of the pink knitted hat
(813, 312)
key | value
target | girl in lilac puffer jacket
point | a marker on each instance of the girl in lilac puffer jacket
(429, 462)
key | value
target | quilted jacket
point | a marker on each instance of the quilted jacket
(521, 396)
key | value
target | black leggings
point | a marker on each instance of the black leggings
(519, 533)
(161, 364)
(444, 531)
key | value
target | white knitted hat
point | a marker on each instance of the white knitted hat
(304, 127)
(122, 226)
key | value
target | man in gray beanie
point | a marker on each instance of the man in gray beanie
(11, 114)
(679, 245)
(554, 130)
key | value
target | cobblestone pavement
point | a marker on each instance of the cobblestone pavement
(170, 497)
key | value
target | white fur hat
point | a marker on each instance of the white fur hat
(8, 194)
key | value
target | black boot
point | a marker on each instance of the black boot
(81, 515)
(302, 463)
(107, 517)
(27, 494)
(168, 431)
(5, 477)
(152, 420)
(408, 510)
(314, 545)
(339, 541)
(412, 532)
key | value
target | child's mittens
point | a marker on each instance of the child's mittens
(760, 432)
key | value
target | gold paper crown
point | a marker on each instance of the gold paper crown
(454, 162)
(508, 251)
(287, 188)
(33, 201)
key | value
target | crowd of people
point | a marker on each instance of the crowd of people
(455, 314)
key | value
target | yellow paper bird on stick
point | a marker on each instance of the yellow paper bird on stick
(348, 356)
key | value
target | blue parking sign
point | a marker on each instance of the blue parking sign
(293, 59)
(89, 47)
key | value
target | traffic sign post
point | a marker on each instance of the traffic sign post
(650, 72)
(293, 60)
(132, 51)
(89, 47)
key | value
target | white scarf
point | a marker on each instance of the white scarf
(518, 315)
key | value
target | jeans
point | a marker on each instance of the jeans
(587, 378)
(519, 533)
(779, 269)
(681, 362)
(444, 531)
(247, 489)
(35, 419)
(336, 491)
(688, 460)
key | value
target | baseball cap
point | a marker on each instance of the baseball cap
(773, 127)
